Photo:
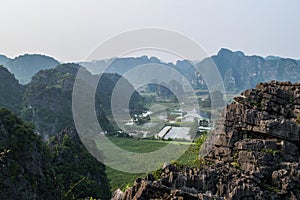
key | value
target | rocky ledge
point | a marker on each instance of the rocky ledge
(255, 153)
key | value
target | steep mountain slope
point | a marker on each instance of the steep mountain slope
(254, 153)
(48, 98)
(25, 162)
(11, 92)
(25, 66)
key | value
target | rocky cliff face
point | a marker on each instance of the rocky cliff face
(255, 154)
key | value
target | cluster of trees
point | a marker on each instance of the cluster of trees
(216, 97)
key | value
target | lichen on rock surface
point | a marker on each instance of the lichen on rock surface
(254, 155)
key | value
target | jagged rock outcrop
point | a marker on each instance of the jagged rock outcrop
(255, 153)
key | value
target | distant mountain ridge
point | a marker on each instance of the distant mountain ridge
(239, 71)
(25, 66)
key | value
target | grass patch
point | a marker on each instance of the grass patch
(137, 145)
(118, 179)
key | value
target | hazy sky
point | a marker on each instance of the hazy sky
(70, 29)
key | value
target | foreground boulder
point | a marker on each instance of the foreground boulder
(254, 153)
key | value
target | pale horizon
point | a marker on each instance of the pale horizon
(70, 30)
